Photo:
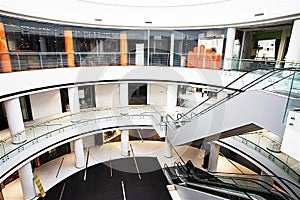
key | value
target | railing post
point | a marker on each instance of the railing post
(61, 59)
(41, 61)
(19, 62)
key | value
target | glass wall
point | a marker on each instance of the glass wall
(36, 45)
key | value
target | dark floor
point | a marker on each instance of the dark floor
(99, 184)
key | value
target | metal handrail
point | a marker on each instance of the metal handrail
(5, 156)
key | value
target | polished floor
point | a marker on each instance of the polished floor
(50, 173)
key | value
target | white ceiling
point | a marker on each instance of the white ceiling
(162, 13)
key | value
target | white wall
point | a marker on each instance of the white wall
(45, 104)
(290, 143)
(157, 94)
(107, 95)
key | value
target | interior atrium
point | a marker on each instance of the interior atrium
(149, 99)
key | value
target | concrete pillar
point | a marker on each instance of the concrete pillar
(206, 147)
(124, 98)
(15, 120)
(293, 53)
(283, 42)
(26, 178)
(43, 44)
(213, 157)
(267, 180)
(79, 153)
(172, 50)
(139, 54)
(74, 103)
(168, 149)
(171, 97)
(230, 38)
(124, 142)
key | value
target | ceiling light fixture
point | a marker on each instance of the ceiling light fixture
(259, 14)
(98, 20)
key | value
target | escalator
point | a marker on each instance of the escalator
(228, 187)
(249, 108)
(254, 106)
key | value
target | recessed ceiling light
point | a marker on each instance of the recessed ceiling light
(148, 22)
(259, 14)
(98, 20)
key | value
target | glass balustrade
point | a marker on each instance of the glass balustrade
(22, 61)
(60, 125)
(285, 165)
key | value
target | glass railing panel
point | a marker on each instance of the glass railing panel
(249, 78)
(270, 156)
(50, 128)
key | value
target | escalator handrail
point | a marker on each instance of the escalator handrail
(274, 175)
(253, 180)
(227, 87)
(250, 180)
(290, 169)
(244, 88)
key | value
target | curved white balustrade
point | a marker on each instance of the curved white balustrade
(54, 132)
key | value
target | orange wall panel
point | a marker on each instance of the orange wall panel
(123, 49)
(69, 48)
(4, 58)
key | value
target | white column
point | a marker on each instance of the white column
(15, 120)
(43, 44)
(168, 148)
(229, 48)
(74, 103)
(293, 53)
(171, 97)
(26, 178)
(267, 180)
(213, 157)
(124, 98)
(79, 153)
(124, 142)
(172, 50)
(283, 42)
(139, 54)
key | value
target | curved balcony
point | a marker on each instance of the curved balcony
(49, 134)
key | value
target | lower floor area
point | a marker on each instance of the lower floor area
(59, 169)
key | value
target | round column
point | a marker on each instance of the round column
(230, 38)
(168, 149)
(26, 178)
(124, 98)
(206, 147)
(171, 98)
(79, 153)
(15, 120)
(124, 143)
(293, 53)
(74, 103)
(213, 157)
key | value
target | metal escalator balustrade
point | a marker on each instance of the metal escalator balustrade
(232, 186)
